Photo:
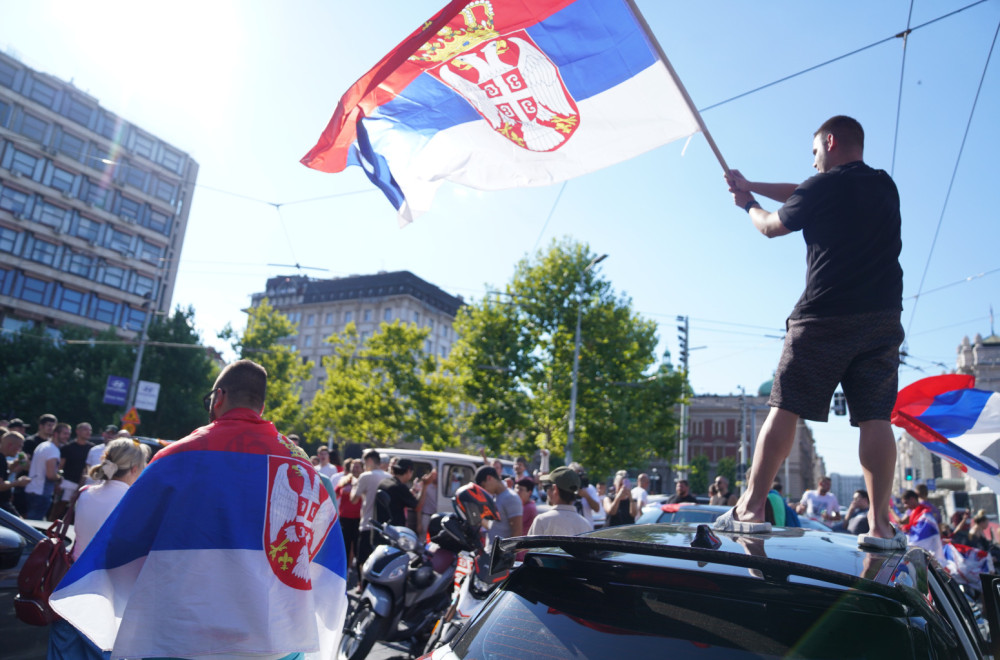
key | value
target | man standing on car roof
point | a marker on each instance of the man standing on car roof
(845, 328)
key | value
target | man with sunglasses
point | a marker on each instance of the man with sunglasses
(231, 530)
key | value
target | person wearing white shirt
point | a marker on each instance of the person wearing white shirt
(641, 492)
(820, 503)
(326, 467)
(561, 486)
(123, 461)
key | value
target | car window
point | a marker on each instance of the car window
(694, 516)
(553, 614)
(952, 603)
(457, 476)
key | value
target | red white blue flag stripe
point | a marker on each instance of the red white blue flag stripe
(956, 421)
(495, 94)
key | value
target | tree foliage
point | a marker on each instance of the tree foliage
(698, 477)
(384, 389)
(65, 373)
(261, 342)
(515, 357)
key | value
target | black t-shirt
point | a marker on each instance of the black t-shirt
(75, 456)
(30, 443)
(849, 218)
(400, 498)
(4, 475)
(677, 499)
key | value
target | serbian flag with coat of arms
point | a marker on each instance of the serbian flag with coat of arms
(227, 545)
(955, 421)
(496, 94)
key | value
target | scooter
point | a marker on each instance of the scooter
(407, 589)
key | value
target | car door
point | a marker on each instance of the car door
(18, 641)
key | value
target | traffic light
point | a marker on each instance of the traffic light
(909, 474)
(682, 340)
(839, 404)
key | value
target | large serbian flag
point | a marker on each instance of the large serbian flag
(227, 545)
(496, 94)
(955, 421)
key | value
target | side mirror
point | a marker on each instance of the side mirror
(11, 548)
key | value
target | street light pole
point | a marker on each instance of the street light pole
(571, 432)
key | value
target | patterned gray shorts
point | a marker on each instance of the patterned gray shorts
(859, 351)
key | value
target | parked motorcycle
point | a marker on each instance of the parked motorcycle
(408, 587)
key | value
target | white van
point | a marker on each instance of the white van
(454, 470)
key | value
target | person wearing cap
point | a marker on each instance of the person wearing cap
(401, 497)
(561, 486)
(508, 503)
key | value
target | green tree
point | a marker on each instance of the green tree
(261, 342)
(514, 356)
(384, 389)
(727, 468)
(698, 476)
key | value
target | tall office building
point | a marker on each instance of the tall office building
(93, 209)
(324, 307)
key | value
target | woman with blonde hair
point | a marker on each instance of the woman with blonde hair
(120, 466)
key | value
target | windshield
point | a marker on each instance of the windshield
(555, 614)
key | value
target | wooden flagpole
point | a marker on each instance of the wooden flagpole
(680, 85)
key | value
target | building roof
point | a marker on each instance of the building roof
(380, 285)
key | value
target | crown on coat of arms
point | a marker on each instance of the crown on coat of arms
(450, 41)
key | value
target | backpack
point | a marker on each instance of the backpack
(41, 574)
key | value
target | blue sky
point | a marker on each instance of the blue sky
(247, 87)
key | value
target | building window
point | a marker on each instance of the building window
(416, 317)
(329, 318)
(311, 319)
(42, 93)
(365, 335)
(368, 315)
(33, 290)
(23, 163)
(51, 215)
(151, 253)
(164, 190)
(136, 176)
(105, 311)
(62, 180)
(128, 208)
(78, 111)
(80, 264)
(33, 127)
(388, 314)
(114, 276)
(4, 113)
(429, 347)
(444, 351)
(72, 146)
(7, 73)
(172, 160)
(143, 145)
(7, 239)
(159, 222)
(134, 318)
(109, 125)
(143, 285)
(71, 301)
(309, 341)
(13, 200)
(87, 229)
(118, 240)
(430, 324)
(96, 195)
(99, 158)
(348, 316)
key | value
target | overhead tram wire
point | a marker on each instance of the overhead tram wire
(899, 35)
(951, 183)
(899, 98)
(552, 211)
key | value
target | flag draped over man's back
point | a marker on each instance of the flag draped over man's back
(957, 422)
(227, 545)
(497, 94)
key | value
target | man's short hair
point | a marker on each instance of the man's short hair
(863, 493)
(683, 481)
(776, 486)
(372, 455)
(323, 450)
(82, 424)
(484, 473)
(526, 483)
(46, 418)
(63, 426)
(922, 491)
(245, 383)
(12, 434)
(846, 129)
(110, 428)
(402, 466)
(911, 495)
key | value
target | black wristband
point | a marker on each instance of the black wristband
(749, 205)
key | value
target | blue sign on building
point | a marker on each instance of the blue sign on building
(116, 391)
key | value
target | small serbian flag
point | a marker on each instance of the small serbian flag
(227, 545)
(496, 94)
(955, 421)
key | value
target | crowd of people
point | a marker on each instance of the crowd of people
(43, 471)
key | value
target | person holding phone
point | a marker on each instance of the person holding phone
(619, 505)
